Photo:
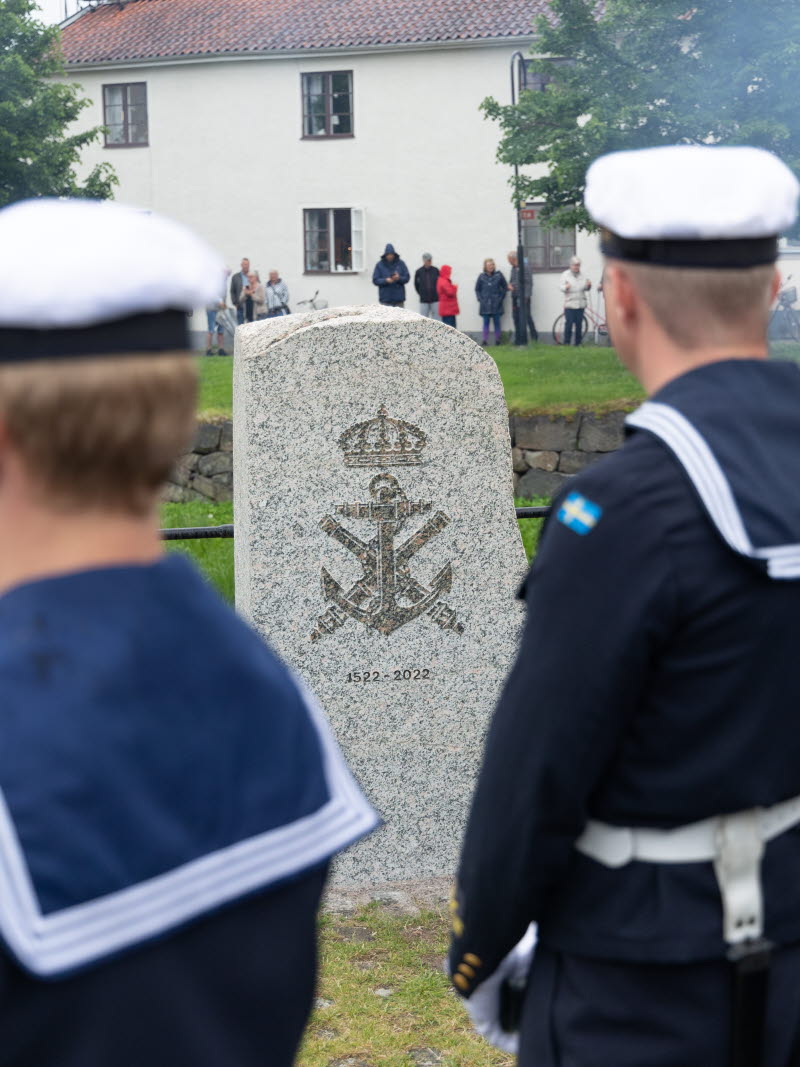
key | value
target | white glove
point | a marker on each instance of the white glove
(484, 1003)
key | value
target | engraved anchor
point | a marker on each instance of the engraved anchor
(373, 600)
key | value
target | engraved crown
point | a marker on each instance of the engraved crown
(382, 442)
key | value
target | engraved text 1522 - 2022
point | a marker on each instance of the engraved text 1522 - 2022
(415, 674)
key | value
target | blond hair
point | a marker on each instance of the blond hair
(697, 307)
(489, 260)
(99, 432)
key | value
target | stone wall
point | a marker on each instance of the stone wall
(206, 471)
(547, 449)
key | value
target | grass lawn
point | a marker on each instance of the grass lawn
(216, 387)
(540, 378)
(785, 350)
(545, 378)
(550, 378)
(214, 557)
(415, 1019)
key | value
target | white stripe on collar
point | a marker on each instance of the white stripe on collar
(695, 456)
(53, 944)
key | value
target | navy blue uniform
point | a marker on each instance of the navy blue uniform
(656, 685)
(169, 800)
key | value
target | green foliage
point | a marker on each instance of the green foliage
(653, 73)
(37, 157)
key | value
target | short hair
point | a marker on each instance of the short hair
(488, 260)
(100, 432)
(697, 307)
(574, 259)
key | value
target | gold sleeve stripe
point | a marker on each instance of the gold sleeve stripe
(467, 970)
(461, 981)
(472, 959)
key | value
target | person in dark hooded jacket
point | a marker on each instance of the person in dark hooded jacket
(391, 276)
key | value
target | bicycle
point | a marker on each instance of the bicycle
(788, 325)
(314, 303)
(593, 322)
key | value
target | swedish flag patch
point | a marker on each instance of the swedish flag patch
(579, 514)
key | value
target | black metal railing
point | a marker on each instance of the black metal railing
(201, 533)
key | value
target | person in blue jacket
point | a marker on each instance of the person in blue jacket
(490, 289)
(170, 794)
(639, 800)
(391, 277)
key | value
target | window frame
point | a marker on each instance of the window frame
(327, 136)
(357, 240)
(127, 143)
(532, 81)
(537, 205)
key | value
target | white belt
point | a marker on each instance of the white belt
(734, 843)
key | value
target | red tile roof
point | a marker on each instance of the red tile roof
(144, 29)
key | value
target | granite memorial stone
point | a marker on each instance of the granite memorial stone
(377, 550)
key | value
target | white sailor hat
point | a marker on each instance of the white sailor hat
(89, 277)
(692, 205)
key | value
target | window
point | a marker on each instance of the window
(545, 249)
(333, 239)
(328, 104)
(125, 114)
(538, 80)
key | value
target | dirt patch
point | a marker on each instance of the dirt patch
(353, 933)
(421, 934)
(324, 1033)
(434, 960)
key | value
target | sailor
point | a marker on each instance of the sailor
(639, 799)
(170, 795)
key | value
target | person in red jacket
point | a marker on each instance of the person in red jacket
(448, 296)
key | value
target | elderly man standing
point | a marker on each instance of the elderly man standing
(575, 286)
(277, 293)
(521, 305)
(425, 280)
(239, 282)
(640, 793)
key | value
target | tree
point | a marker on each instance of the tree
(37, 155)
(650, 73)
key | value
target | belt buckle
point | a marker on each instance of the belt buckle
(738, 869)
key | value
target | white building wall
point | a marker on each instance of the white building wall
(226, 156)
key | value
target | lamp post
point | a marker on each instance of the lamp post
(521, 318)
